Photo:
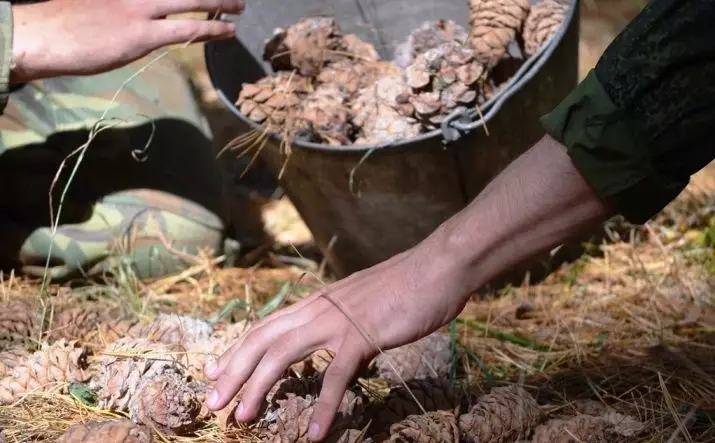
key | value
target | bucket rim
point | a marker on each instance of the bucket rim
(525, 73)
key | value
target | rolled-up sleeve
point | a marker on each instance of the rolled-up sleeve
(643, 120)
(6, 31)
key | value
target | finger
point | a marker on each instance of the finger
(167, 7)
(335, 381)
(244, 359)
(267, 329)
(169, 32)
(294, 346)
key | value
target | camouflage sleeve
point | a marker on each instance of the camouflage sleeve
(5, 52)
(640, 124)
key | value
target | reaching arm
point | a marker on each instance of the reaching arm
(625, 141)
(80, 37)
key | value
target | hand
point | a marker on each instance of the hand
(536, 203)
(394, 303)
(81, 37)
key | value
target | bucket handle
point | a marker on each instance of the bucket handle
(462, 121)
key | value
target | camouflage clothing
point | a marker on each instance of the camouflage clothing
(641, 122)
(148, 187)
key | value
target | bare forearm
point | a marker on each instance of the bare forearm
(536, 203)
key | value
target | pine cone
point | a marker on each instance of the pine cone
(433, 427)
(122, 431)
(578, 429)
(324, 116)
(429, 357)
(118, 376)
(289, 422)
(505, 415)
(432, 395)
(61, 362)
(167, 401)
(12, 358)
(383, 113)
(354, 75)
(443, 78)
(18, 323)
(316, 363)
(495, 24)
(306, 46)
(175, 329)
(273, 100)
(292, 387)
(541, 24)
(200, 352)
(429, 35)
(358, 49)
(77, 321)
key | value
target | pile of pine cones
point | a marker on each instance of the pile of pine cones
(332, 88)
(152, 373)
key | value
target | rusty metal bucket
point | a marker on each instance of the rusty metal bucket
(365, 204)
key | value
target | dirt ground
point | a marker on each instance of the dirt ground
(615, 346)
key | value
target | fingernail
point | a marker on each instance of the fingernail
(212, 399)
(210, 367)
(239, 412)
(313, 431)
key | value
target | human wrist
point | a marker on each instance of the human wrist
(29, 48)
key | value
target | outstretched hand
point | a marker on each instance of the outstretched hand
(391, 304)
(536, 203)
(81, 37)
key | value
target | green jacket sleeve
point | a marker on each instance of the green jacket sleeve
(641, 123)
(5, 52)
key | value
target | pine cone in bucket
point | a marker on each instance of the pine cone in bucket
(271, 100)
(306, 46)
(442, 79)
(428, 36)
(495, 24)
(383, 112)
(541, 24)
(323, 117)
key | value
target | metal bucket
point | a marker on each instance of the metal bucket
(365, 204)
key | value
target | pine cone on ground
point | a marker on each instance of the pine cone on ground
(541, 24)
(432, 395)
(323, 117)
(505, 415)
(121, 431)
(578, 429)
(289, 422)
(383, 113)
(12, 358)
(443, 79)
(75, 322)
(118, 376)
(495, 24)
(429, 357)
(306, 46)
(433, 427)
(429, 35)
(176, 329)
(274, 100)
(166, 400)
(354, 75)
(292, 387)
(18, 323)
(61, 362)
(316, 363)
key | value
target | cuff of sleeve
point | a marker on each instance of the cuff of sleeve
(6, 32)
(602, 143)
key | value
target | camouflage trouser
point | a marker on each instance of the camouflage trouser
(148, 191)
